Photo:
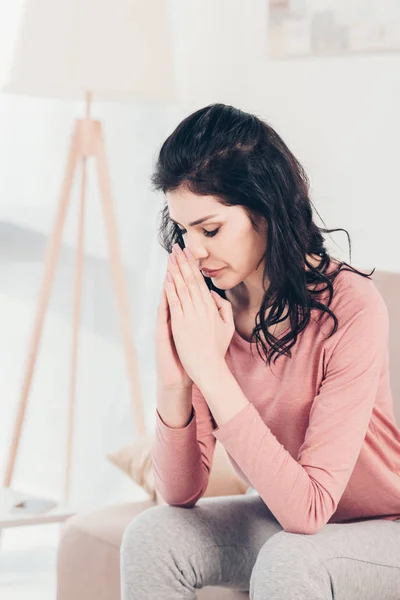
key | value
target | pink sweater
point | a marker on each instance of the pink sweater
(318, 441)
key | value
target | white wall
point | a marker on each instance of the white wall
(35, 138)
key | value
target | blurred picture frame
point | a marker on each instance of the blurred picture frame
(306, 28)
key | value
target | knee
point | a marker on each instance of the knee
(145, 527)
(154, 532)
(289, 564)
(281, 552)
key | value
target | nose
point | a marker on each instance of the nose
(199, 253)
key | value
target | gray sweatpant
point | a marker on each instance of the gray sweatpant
(168, 552)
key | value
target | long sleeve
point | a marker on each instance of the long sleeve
(303, 491)
(182, 458)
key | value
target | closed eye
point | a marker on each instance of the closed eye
(206, 233)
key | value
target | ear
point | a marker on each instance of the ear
(224, 307)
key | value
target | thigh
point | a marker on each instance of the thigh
(216, 542)
(345, 561)
(362, 559)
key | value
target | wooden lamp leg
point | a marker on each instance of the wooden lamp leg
(75, 329)
(50, 267)
(119, 282)
(91, 143)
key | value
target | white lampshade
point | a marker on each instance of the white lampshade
(120, 50)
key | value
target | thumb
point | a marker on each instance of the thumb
(224, 307)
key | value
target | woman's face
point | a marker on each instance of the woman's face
(225, 241)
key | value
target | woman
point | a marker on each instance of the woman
(307, 420)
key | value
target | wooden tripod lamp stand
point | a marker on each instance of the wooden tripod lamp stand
(87, 140)
(124, 55)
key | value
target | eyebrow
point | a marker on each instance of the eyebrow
(198, 220)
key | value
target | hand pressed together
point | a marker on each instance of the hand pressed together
(202, 322)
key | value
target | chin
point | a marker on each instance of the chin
(223, 283)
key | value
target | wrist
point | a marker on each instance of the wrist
(174, 388)
(211, 375)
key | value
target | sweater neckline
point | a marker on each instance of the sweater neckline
(241, 339)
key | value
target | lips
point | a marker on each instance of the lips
(208, 273)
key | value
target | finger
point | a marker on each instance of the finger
(188, 298)
(166, 303)
(174, 302)
(204, 291)
(224, 307)
(167, 314)
(163, 304)
(163, 327)
(189, 276)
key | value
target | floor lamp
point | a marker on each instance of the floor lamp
(136, 63)
(87, 140)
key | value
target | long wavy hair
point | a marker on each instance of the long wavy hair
(239, 159)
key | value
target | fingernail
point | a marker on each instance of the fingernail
(188, 253)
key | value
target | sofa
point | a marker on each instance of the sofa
(88, 565)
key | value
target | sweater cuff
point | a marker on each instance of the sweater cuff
(176, 430)
(242, 421)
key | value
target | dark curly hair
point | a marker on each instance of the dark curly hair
(238, 158)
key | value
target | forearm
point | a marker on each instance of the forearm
(222, 393)
(179, 472)
(175, 406)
